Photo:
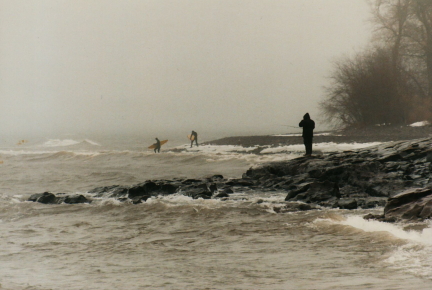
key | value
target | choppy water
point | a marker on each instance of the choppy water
(179, 243)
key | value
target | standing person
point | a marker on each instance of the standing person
(308, 126)
(158, 146)
(195, 138)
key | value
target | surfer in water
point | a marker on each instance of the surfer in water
(308, 126)
(158, 145)
(194, 137)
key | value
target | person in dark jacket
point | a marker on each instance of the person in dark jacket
(308, 126)
(195, 138)
(158, 145)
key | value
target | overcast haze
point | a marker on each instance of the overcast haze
(230, 67)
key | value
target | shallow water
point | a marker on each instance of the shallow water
(179, 243)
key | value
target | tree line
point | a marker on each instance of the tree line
(391, 81)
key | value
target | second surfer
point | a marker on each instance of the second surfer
(194, 137)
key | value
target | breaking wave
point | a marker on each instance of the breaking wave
(68, 142)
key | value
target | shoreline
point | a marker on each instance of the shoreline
(357, 135)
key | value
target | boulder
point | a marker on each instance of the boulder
(196, 191)
(50, 198)
(74, 199)
(114, 191)
(347, 203)
(411, 204)
(46, 197)
(317, 192)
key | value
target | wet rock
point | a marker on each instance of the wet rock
(240, 182)
(74, 199)
(114, 191)
(196, 191)
(228, 190)
(293, 207)
(46, 197)
(317, 192)
(221, 195)
(140, 199)
(153, 188)
(50, 198)
(379, 217)
(217, 177)
(373, 202)
(347, 203)
(142, 189)
(412, 204)
(297, 189)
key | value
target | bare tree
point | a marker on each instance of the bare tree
(364, 91)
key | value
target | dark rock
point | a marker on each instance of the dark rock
(429, 156)
(347, 204)
(379, 217)
(213, 187)
(168, 188)
(227, 190)
(293, 207)
(297, 189)
(318, 192)
(373, 202)
(221, 195)
(115, 191)
(412, 204)
(46, 197)
(74, 199)
(140, 199)
(143, 189)
(196, 191)
(50, 198)
(240, 182)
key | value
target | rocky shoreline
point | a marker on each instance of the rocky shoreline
(396, 175)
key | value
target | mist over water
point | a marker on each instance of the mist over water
(87, 86)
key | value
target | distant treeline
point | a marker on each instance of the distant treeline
(391, 80)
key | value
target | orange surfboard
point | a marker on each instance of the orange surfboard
(154, 145)
(191, 137)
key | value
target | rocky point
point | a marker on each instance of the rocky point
(393, 174)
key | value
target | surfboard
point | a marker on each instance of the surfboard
(191, 137)
(154, 145)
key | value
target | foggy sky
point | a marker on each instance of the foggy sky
(231, 66)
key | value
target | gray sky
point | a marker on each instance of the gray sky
(227, 66)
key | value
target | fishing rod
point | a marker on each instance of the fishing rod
(290, 126)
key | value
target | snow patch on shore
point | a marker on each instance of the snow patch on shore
(419, 124)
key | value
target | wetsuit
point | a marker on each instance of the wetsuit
(195, 134)
(158, 145)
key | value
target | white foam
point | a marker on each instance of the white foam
(23, 152)
(323, 147)
(424, 237)
(92, 142)
(299, 134)
(415, 257)
(67, 142)
(211, 149)
(419, 124)
(58, 142)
